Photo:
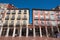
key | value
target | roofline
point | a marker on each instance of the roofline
(44, 9)
(18, 8)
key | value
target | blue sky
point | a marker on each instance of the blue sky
(41, 4)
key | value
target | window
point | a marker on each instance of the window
(41, 12)
(7, 17)
(36, 17)
(13, 17)
(43, 31)
(36, 12)
(41, 17)
(11, 24)
(25, 16)
(47, 23)
(46, 12)
(58, 16)
(4, 31)
(17, 32)
(0, 16)
(18, 24)
(25, 11)
(53, 23)
(18, 18)
(49, 31)
(23, 31)
(19, 12)
(52, 13)
(47, 17)
(5, 24)
(42, 23)
(52, 17)
(37, 31)
(36, 22)
(13, 12)
(1, 23)
(8, 12)
(24, 22)
(30, 32)
(10, 32)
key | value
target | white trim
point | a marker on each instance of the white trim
(40, 32)
(14, 31)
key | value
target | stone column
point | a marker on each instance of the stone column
(46, 31)
(7, 32)
(20, 32)
(14, 31)
(34, 31)
(1, 30)
(40, 32)
(27, 31)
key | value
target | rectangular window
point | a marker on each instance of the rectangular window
(42, 23)
(24, 22)
(23, 31)
(30, 32)
(43, 31)
(13, 17)
(11, 24)
(52, 17)
(13, 12)
(36, 22)
(47, 17)
(8, 12)
(7, 17)
(0, 16)
(5, 24)
(17, 32)
(53, 23)
(37, 31)
(4, 31)
(25, 11)
(48, 23)
(41, 12)
(10, 32)
(52, 13)
(41, 17)
(19, 12)
(18, 24)
(18, 18)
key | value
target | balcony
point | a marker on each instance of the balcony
(5, 25)
(13, 17)
(7, 18)
(11, 25)
(52, 18)
(18, 18)
(25, 13)
(17, 25)
(42, 23)
(13, 13)
(53, 23)
(8, 12)
(23, 25)
(25, 18)
(36, 18)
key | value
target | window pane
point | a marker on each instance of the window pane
(30, 32)
(4, 31)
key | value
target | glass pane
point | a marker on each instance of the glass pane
(30, 32)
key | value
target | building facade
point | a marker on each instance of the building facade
(13, 21)
(46, 22)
